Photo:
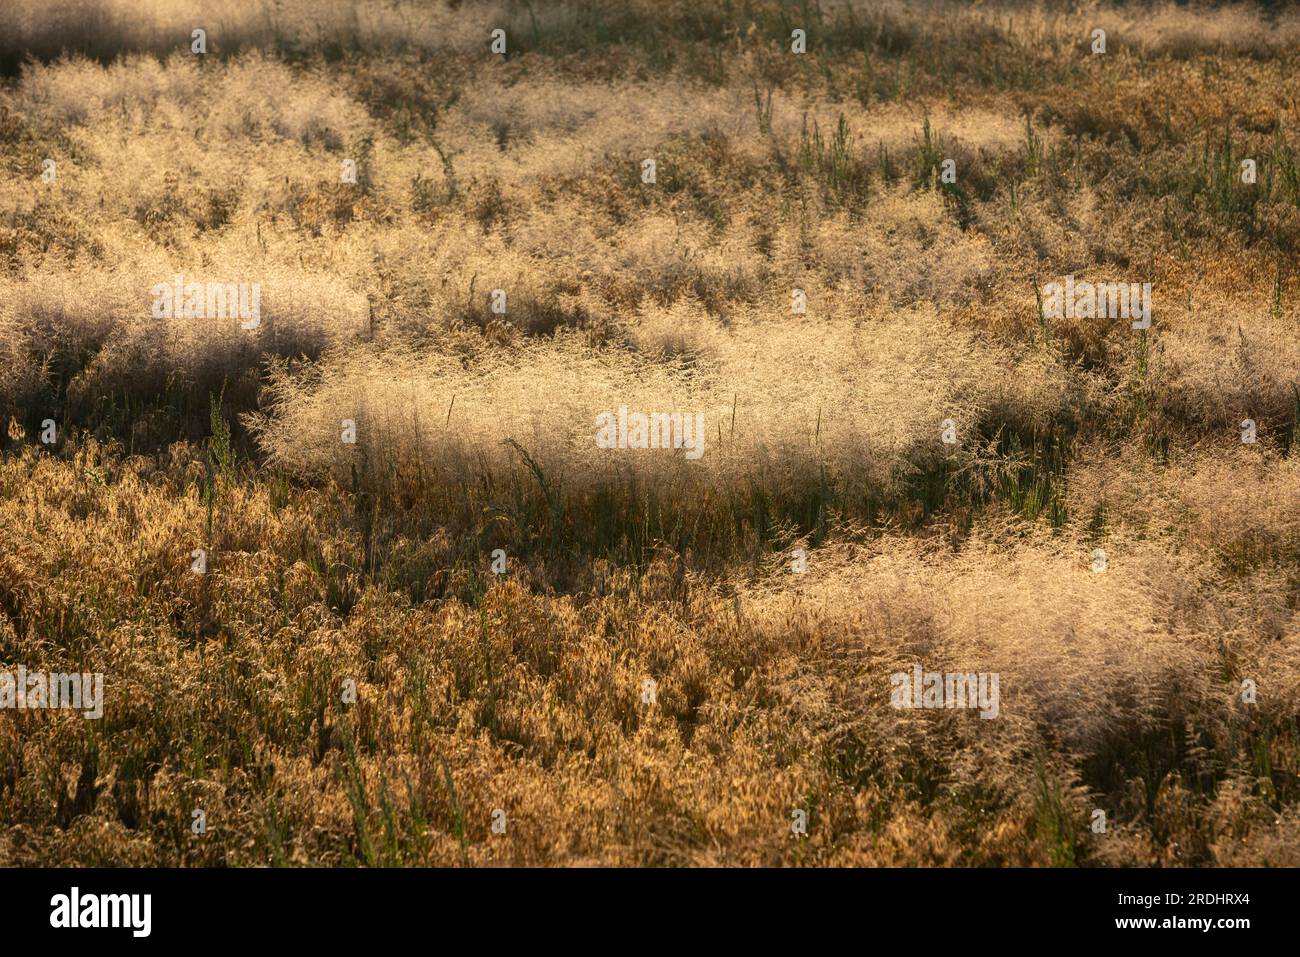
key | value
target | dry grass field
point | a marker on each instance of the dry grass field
(688, 658)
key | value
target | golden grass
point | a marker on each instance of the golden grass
(369, 563)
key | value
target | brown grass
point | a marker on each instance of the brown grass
(370, 563)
